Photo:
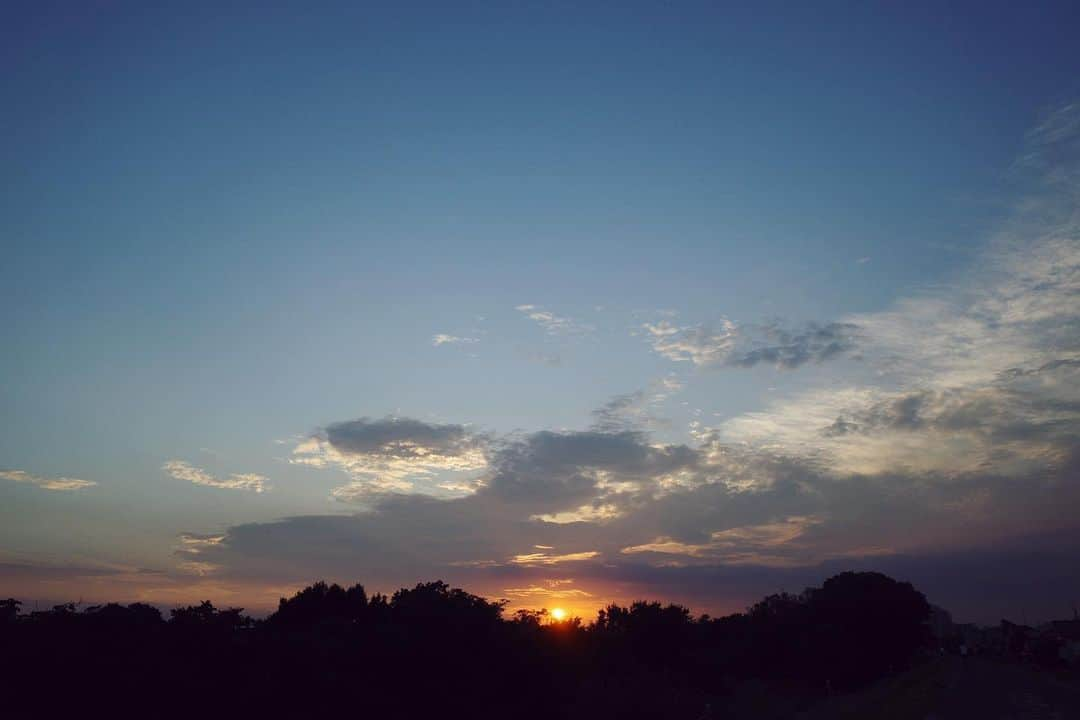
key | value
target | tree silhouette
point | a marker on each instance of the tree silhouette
(433, 650)
(9, 610)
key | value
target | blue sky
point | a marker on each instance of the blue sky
(228, 230)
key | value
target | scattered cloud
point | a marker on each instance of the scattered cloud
(182, 470)
(46, 483)
(554, 324)
(961, 421)
(700, 344)
(952, 443)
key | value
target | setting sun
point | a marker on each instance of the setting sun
(558, 614)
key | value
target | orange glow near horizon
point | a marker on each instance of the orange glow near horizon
(558, 614)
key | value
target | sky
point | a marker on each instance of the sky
(562, 303)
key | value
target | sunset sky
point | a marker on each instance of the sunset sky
(562, 303)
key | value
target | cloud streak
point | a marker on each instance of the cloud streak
(182, 470)
(46, 483)
(444, 339)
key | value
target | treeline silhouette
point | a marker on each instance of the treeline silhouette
(437, 651)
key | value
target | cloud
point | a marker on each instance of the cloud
(975, 377)
(46, 483)
(182, 470)
(763, 544)
(395, 455)
(543, 558)
(622, 412)
(554, 324)
(733, 346)
(191, 548)
(980, 375)
(548, 472)
(702, 345)
(636, 410)
(551, 472)
(801, 518)
(787, 350)
(444, 339)
(193, 542)
(544, 593)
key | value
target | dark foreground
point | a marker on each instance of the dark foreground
(856, 647)
(992, 689)
(953, 688)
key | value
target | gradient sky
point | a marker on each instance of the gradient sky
(562, 304)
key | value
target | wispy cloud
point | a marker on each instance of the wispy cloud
(700, 344)
(636, 410)
(182, 470)
(444, 339)
(553, 590)
(751, 544)
(543, 558)
(554, 324)
(46, 483)
(191, 547)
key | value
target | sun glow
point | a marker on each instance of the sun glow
(558, 614)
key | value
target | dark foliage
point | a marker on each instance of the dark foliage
(437, 651)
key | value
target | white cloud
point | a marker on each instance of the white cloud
(444, 339)
(699, 344)
(46, 483)
(182, 470)
(554, 324)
